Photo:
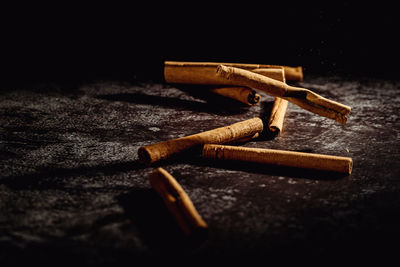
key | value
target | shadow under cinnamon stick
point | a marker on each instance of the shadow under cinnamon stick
(257, 168)
(214, 105)
(158, 229)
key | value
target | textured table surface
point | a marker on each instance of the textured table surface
(72, 190)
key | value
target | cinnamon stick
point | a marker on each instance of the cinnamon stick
(279, 158)
(203, 72)
(278, 111)
(275, 123)
(163, 150)
(243, 94)
(304, 98)
(177, 201)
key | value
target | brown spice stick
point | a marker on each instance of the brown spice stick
(279, 158)
(304, 98)
(275, 123)
(177, 201)
(204, 72)
(243, 94)
(163, 150)
(278, 111)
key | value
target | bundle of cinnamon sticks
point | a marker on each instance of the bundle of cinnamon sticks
(240, 82)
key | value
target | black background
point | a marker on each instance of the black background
(73, 43)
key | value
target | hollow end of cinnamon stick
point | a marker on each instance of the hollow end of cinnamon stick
(144, 156)
(254, 98)
(244, 95)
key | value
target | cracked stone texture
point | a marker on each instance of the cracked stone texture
(72, 189)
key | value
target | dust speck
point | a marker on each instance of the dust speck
(154, 129)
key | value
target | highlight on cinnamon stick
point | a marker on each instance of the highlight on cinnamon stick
(163, 150)
(304, 98)
(279, 158)
(243, 94)
(178, 202)
(244, 139)
(277, 73)
(204, 72)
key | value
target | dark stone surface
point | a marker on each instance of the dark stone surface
(72, 190)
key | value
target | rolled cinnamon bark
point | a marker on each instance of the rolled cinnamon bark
(177, 201)
(277, 116)
(304, 98)
(243, 94)
(163, 150)
(279, 158)
(275, 122)
(203, 72)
